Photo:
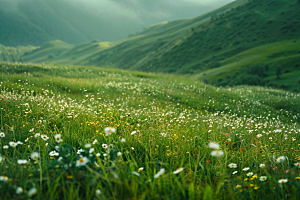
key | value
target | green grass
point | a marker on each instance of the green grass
(79, 102)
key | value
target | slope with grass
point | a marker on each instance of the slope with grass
(13, 54)
(73, 132)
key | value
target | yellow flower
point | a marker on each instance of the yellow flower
(297, 177)
(238, 186)
(246, 179)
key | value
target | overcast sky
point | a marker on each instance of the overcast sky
(148, 12)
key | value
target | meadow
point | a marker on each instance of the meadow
(73, 132)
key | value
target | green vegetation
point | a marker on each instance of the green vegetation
(13, 54)
(55, 144)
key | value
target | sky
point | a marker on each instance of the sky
(148, 12)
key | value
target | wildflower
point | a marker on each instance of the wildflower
(37, 135)
(141, 169)
(109, 130)
(31, 130)
(87, 145)
(57, 138)
(3, 178)
(98, 192)
(132, 148)
(250, 174)
(214, 145)
(79, 151)
(81, 161)
(13, 144)
(262, 165)
(123, 140)
(32, 192)
(98, 154)
(1, 159)
(19, 190)
(282, 180)
(297, 165)
(19, 142)
(161, 171)
(44, 137)
(238, 187)
(217, 153)
(163, 134)
(104, 146)
(242, 149)
(119, 154)
(95, 141)
(22, 162)
(178, 170)
(234, 172)
(2, 134)
(246, 169)
(105, 154)
(5, 147)
(133, 132)
(53, 153)
(259, 135)
(232, 165)
(280, 159)
(34, 156)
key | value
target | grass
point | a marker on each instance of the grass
(163, 123)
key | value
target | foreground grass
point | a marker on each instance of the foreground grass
(159, 148)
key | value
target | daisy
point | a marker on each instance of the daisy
(141, 169)
(132, 148)
(246, 169)
(95, 141)
(178, 170)
(22, 162)
(87, 145)
(213, 145)
(123, 140)
(297, 165)
(3, 178)
(44, 137)
(53, 153)
(32, 192)
(91, 150)
(98, 192)
(133, 132)
(259, 135)
(163, 134)
(234, 172)
(31, 130)
(57, 138)
(217, 153)
(250, 174)
(232, 165)
(109, 130)
(262, 165)
(104, 146)
(263, 178)
(19, 190)
(34, 156)
(2, 134)
(37, 135)
(81, 161)
(281, 159)
(5, 147)
(282, 180)
(119, 154)
(161, 172)
(13, 144)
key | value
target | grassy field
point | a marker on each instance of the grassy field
(92, 133)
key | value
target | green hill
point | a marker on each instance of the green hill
(13, 54)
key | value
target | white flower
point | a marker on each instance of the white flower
(13, 144)
(37, 135)
(31, 130)
(259, 135)
(105, 154)
(22, 162)
(32, 192)
(87, 145)
(19, 142)
(282, 180)
(132, 148)
(44, 137)
(53, 153)
(104, 146)
(109, 130)
(133, 132)
(3, 178)
(246, 169)
(95, 141)
(79, 151)
(98, 192)
(178, 170)
(161, 171)
(217, 153)
(5, 147)
(163, 134)
(81, 161)
(91, 150)
(57, 138)
(280, 159)
(297, 165)
(98, 154)
(263, 178)
(250, 174)
(262, 165)
(19, 190)
(34, 156)
(213, 145)
(234, 172)
(123, 140)
(119, 154)
(2, 134)
(232, 165)
(1, 159)
(141, 169)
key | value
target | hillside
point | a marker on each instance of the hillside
(34, 22)
(13, 54)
